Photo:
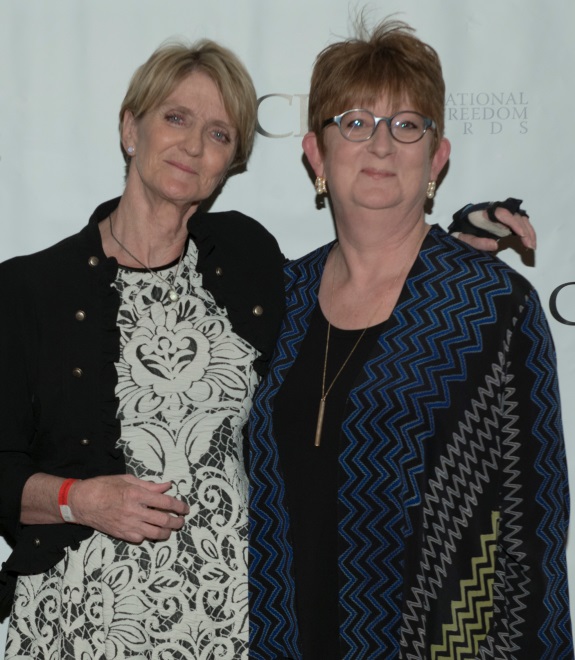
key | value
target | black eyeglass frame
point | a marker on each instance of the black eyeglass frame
(427, 124)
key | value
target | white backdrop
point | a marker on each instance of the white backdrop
(65, 65)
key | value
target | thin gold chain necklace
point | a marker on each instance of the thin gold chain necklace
(324, 391)
(173, 295)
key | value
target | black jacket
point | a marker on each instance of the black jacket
(58, 346)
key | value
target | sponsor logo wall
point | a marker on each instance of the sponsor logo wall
(64, 68)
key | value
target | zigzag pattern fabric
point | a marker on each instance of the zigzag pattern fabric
(453, 487)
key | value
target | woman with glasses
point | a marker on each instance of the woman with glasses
(407, 466)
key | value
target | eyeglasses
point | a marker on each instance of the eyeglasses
(359, 125)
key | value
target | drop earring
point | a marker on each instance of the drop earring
(320, 185)
(430, 193)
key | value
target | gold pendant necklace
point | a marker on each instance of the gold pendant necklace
(324, 391)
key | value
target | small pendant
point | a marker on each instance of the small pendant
(173, 296)
(319, 426)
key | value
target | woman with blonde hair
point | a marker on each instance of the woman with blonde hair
(129, 357)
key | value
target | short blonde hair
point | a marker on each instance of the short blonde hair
(155, 80)
(390, 60)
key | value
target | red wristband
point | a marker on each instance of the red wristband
(65, 510)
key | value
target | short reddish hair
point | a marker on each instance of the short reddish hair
(389, 61)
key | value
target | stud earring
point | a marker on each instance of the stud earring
(320, 185)
(130, 150)
(430, 193)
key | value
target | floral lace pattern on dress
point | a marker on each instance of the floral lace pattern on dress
(185, 383)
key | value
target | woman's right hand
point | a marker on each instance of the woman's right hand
(127, 508)
(119, 505)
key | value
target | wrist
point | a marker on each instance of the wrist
(64, 501)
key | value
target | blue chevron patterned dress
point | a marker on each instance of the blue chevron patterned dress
(453, 492)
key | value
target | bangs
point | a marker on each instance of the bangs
(371, 79)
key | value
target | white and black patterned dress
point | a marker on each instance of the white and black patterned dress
(185, 386)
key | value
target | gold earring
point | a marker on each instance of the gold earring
(430, 194)
(320, 185)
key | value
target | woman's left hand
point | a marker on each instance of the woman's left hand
(519, 225)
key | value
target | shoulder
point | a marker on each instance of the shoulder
(62, 261)
(231, 241)
(236, 251)
(48, 262)
(319, 253)
(242, 266)
(308, 267)
(459, 258)
(231, 228)
(87, 240)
